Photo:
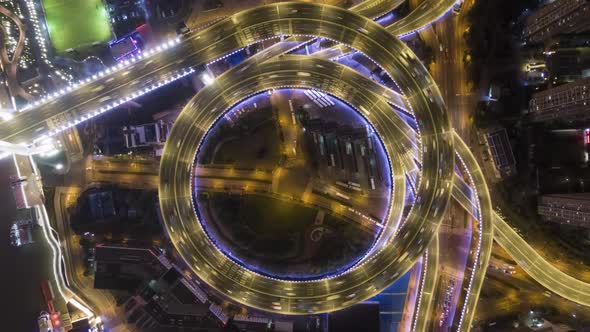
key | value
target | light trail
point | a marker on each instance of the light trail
(531, 262)
(434, 151)
(110, 70)
(115, 104)
(485, 232)
(58, 277)
(431, 199)
(423, 312)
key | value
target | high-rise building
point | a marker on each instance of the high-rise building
(569, 209)
(558, 17)
(566, 65)
(568, 102)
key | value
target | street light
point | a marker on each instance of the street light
(6, 116)
(207, 78)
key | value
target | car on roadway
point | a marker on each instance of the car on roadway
(457, 7)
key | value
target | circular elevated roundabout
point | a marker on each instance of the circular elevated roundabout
(429, 163)
(424, 154)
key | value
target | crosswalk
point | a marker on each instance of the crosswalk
(319, 98)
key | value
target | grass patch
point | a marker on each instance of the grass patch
(264, 215)
(76, 23)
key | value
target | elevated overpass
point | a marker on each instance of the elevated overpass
(435, 153)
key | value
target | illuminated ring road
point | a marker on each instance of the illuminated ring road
(66, 108)
(433, 193)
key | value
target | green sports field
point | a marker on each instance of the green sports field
(76, 23)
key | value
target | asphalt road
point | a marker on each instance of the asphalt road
(289, 19)
(21, 294)
(423, 99)
(10, 64)
(534, 264)
(111, 315)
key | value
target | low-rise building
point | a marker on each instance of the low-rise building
(164, 298)
(498, 144)
(125, 268)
